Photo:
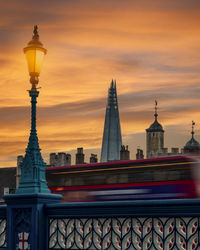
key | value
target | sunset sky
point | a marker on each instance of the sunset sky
(151, 48)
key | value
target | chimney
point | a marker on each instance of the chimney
(175, 151)
(124, 153)
(93, 158)
(139, 154)
(61, 159)
(68, 159)
(80, 156)
(53, 160)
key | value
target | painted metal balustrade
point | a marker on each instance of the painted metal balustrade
(3, 233)
(3, 243)
(125, 233)
(168, 225)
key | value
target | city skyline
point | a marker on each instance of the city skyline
(151, 48)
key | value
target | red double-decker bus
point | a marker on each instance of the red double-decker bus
(175, 177)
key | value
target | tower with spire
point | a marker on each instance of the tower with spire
(192, 146)
(154, 137)
(112, 139)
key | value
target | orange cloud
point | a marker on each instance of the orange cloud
(150, 47)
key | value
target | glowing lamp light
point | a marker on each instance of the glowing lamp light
(34, 54)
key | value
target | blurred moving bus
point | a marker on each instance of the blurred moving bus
(175, 177)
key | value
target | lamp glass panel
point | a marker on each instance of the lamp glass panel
(34, 58)
(39, 60)
(30, 57)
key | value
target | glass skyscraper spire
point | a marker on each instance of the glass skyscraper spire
(112, 139)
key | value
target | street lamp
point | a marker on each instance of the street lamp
(33, 178)
(34, 54)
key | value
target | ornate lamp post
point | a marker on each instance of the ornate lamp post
(26, 216)
(33, 178)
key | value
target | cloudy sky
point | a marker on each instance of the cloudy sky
(151, 48)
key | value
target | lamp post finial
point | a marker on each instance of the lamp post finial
(35, 32)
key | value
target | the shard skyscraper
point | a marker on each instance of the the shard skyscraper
(112, 139)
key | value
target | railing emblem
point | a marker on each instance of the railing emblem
(23, 241)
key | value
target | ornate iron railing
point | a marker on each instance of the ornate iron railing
(3, 224)
(142, 225)
(3, 233)
(168, 233)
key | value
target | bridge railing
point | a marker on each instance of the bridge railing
(144, 225)
(3, 243)
(140, 225)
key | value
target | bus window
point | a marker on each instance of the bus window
(111, 179)
(173, 175)
(68, 182)
(159, 175)
(96, 179)
(134, 177)
(145, 176)
(78, 181)
(123, 178)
